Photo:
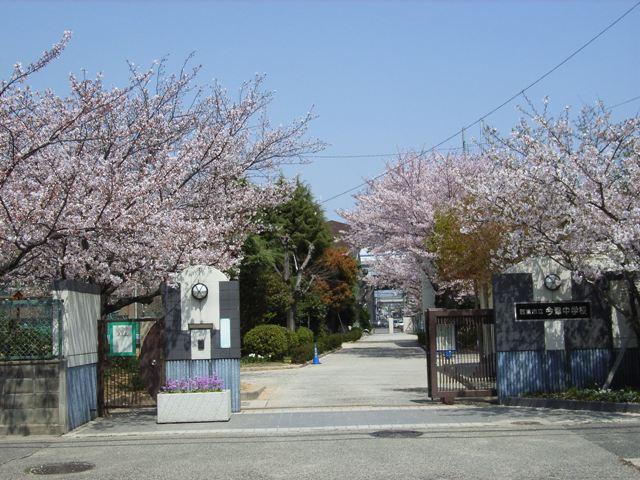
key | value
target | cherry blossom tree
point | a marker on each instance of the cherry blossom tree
(569, 189)
(124, 187)
(396, 215)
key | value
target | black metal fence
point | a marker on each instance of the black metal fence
(461, 353)
(133, 380)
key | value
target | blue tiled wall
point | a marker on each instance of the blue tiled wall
(81, 394)
(228, 369)
(549, 371)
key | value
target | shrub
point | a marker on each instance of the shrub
(300, 336)
(329, 342)
(304, 335)
(270, 341)
(352, 335)
(252, 358)
(18, 340)
(363, 320)
(302, 353)
(292, 339)
(422, 339)
(595, 394)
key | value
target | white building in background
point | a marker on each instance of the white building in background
(385, 305)
(390, 305)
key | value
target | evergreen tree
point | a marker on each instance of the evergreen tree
(278, 270)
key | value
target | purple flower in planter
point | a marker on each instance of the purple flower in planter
(195, 384)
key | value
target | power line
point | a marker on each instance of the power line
(624, 103)
(373, 155)
(503, 104)
(448, 149)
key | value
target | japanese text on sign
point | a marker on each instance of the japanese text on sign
(552, 311)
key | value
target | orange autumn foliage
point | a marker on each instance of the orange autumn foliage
(338, 272)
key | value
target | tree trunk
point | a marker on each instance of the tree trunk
(102, 357)
(291, 318)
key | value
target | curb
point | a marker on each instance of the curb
(292, 366)
(445, 427)
(571, 404)
(252, 395)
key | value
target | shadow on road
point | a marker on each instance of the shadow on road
(421, 390)
(132, 418)
(379, 352)
(492, 411)
(410, 343)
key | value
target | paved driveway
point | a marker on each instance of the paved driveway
(378, 370)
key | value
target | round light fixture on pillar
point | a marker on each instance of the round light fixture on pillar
(552, 281)
(199, 291)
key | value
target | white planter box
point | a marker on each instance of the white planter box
(194, 407)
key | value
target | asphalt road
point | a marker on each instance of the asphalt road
(379, 385)
(586, 451)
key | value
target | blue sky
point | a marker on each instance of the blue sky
(381, 76)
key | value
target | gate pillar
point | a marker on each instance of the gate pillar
(202, 328)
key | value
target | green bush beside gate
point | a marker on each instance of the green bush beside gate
(275, 342)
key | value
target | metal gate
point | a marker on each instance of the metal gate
(461, 354)
(132, 378)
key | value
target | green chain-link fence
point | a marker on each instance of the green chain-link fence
(30, 329)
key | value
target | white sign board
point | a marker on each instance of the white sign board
(225, 333)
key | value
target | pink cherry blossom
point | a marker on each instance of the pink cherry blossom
(569, 189)
(395, 215)
(124, 187)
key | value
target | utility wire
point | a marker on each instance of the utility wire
(503, 104)
(372, 155)
(448, 149)
(624, 103)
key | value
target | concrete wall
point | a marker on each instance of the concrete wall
(81, 307)
(81, 311)
(551, 355)
(178, 341)
(32, 398)
(200, 311)
(183, 312)
(45, 397)
(52, 397)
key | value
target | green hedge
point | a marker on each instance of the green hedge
(273, 342)
(354, 334)
(304, 335)
(330, 342)
(299, 337)
(18, 341)
(270, 341)
(302, 353)
(594, 394)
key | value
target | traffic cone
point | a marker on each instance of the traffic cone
(316, 360)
